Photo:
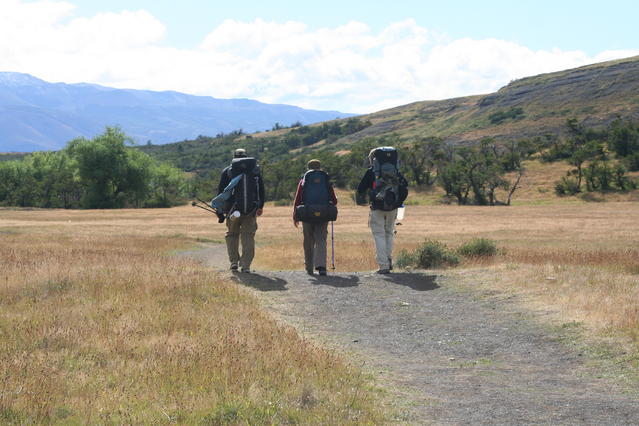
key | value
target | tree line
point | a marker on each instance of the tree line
(600, 158)
(109, 172)
(475, 174)
(103, 172)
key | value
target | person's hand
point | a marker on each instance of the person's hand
(296, 223)
(259, 212)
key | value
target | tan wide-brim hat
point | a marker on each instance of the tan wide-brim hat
(314, 164)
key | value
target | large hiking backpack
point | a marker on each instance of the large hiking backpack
(246, 194)
(387, 179)
(316, 204)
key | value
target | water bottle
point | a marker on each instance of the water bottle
(400, 213)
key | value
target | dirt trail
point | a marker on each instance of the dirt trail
(447, 356)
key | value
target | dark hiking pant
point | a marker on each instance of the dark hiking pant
(315, 245)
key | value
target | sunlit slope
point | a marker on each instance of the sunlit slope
(533, 106)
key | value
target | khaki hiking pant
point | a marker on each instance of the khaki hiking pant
(241, 230)
(383, 228)
(315, 245)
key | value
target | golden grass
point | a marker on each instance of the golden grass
(600, 233)
(99, 325)
(606, 302)
(96, 322)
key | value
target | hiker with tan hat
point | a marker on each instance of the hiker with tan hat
(315, 205)
(242, 208)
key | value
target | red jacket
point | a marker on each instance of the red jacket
(298, 195)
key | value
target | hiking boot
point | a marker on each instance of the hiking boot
(246, 270)
(383, 271)
(321, 270)
(233, 267)
(309, 271)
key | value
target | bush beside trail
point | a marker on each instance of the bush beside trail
(435, 254)
(478, 247)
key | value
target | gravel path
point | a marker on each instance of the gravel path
(447, 356)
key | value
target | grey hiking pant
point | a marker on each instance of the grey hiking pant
(383, 228)
(241, 230)
(315, 244)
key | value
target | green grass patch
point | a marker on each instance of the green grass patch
(429, 254)
(478, 247)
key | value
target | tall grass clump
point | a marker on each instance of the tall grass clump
(478, 247)
(429, 254)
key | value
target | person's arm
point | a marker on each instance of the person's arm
(261, 192)
(403, 190)
(331, 194)
(298, 200)
(366, 183)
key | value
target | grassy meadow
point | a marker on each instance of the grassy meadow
(99, 323)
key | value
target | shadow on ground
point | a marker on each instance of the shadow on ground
(336, 281)
(261, 282)
(414, 280)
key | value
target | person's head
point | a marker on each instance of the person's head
(239, 153)
(314, 164)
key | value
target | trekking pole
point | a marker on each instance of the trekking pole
(332, 247)
(208, 209)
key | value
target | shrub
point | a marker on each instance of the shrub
(501, 116)
(567, 186)
(478, 247)
(632, 162)
(404, 259)
(433, 254)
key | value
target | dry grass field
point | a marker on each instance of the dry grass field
(99, 322)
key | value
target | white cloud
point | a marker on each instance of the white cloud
(349, 68)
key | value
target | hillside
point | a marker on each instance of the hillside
(37, 115)
(534, 106)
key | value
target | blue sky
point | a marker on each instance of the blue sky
(590, 26)
(352, 56)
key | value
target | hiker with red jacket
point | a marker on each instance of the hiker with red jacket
(315, 205)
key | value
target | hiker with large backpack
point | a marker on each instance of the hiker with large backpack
(241, 194)
(386, 189)
(315, 205)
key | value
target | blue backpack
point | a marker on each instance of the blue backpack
(316, 204)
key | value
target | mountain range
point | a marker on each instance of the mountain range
(38, 115)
